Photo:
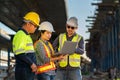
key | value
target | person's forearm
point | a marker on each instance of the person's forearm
(24, 58)
(80, 48)
(54, 58)
(79, 51)
(60, 57)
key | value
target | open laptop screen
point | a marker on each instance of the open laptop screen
(69, 47)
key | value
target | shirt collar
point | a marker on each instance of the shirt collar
(24, 31)
(46, 42)
(72, 35)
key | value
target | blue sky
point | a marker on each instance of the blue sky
(8, 30)
(78, 8)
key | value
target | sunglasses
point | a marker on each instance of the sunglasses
(70, 27)
(34, 24)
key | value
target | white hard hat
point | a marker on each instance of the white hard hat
(46, 26)
(72, 22)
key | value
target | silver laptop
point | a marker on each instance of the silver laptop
(69, 47)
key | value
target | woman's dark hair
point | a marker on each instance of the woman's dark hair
(41, 32)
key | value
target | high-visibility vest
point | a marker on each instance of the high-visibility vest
(74, 59)
(22, 43)
(48, 66)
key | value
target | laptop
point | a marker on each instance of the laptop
(69, 47)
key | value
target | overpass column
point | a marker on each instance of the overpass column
(8, 57)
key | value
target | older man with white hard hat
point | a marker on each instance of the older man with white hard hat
(69, 67)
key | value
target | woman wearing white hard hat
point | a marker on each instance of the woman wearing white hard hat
(44, 52)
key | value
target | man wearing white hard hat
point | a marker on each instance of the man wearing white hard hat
(69, 67)
(44, 52)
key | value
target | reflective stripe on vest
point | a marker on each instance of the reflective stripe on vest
(48, 66)
(24, 45)
(74, 59)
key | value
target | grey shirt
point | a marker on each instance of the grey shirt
(41, 55)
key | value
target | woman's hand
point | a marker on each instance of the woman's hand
(62, 56)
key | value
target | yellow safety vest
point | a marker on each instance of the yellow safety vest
(48, 66)
(74, 59)
(22, 43)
